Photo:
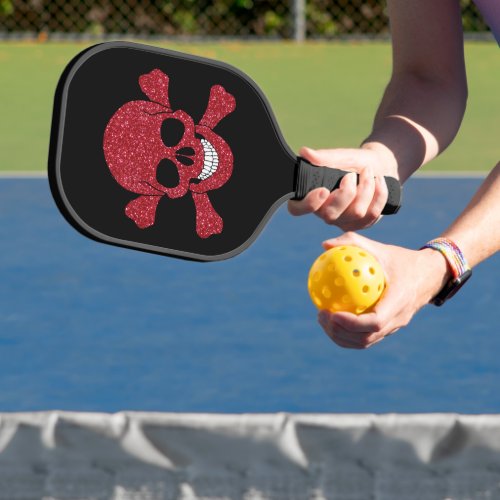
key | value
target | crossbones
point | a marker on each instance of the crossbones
(134, 148)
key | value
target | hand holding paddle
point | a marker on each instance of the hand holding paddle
(360, 199)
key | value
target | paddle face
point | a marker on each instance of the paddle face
(160, 151)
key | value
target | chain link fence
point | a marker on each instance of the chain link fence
(284, 19)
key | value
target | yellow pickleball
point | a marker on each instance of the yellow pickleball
(346, 278)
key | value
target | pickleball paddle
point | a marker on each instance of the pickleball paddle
(172, 153)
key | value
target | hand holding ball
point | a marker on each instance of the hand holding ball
(346, 278)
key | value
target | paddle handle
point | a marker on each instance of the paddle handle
(309, 177)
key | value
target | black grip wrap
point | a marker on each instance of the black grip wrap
(309, 177)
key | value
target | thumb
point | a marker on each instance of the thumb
(349, 238)
(339, 157)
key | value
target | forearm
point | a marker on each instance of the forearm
(416, 120)
(477, 230)
(424, 103)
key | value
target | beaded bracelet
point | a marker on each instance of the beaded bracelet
(460, 269)
(452, 254)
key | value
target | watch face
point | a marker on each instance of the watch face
(451, 288)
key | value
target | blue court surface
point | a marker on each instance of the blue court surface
(90, 327)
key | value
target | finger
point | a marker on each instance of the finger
(348, 338)
(338, 201)
(365, 210)
(348, 238)
(338, 334)
(376, 338)
(311, 203)
(353, 341)
(374, 342)
(362, 340)
(385, 318)
(362, 324)
(365, 191)
(311, 155)
(342, 340)
(338, 157)
(380, 196)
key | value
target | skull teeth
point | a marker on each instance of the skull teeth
(210, 160)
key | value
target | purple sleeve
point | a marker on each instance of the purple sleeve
(490, 9)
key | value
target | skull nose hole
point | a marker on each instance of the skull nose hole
(185, 151)
(172, 131)
(185, 160)
(167, 174)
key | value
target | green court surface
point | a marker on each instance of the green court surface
(323, 94)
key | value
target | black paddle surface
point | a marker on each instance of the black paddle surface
(170, 153)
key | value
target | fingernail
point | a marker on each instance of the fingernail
(324, 194)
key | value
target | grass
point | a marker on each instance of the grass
(323, 94)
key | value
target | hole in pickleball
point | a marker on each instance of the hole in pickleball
(362, 254)
(172, 131)
(317, 300)
(327, 293)
(348, 258)
(346, 299)
(317, 276)
(366, 289)
(379, 288)
(372, 270)
(339, 281)
(356, 273)
(167, 174)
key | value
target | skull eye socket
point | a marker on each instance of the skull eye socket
(172, 131)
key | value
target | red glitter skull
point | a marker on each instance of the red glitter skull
(134, 148)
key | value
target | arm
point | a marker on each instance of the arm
(419, 114)
(424, 103)
(415, 277)
(477, 230)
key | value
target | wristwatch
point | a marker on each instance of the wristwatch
(460, 270)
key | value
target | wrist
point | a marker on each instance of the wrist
(437, 272)
(386, 157)
(457, 265)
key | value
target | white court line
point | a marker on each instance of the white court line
(453, 174)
